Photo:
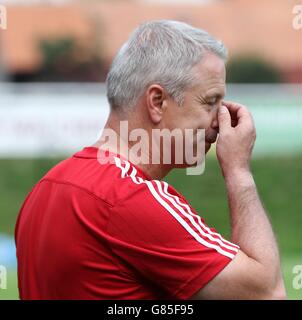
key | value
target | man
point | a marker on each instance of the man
(98, 226)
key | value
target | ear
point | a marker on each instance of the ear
(156, 102)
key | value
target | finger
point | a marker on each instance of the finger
(244, 115)
(233, 108)
(224, 119)
(237, 111)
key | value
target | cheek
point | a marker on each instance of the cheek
(197, 118)
(205, 120)
(209, 117)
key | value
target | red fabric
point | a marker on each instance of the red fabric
(91, 231)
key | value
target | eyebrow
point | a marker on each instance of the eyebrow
(216, 95)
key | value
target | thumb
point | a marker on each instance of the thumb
(224, 118)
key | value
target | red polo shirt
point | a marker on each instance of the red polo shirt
(95, 230)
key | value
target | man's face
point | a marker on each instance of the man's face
(201, 102)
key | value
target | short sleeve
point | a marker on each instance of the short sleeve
(158, 234)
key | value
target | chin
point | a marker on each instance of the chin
(198, 161)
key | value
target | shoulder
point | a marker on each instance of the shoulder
(159, 208)
(134, 186)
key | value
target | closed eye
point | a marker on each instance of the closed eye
(212, 102)
(214, 99)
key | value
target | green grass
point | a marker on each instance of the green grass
(11, 291)
(17, 178)
(278, 179)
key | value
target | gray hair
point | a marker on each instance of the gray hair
(163, 52)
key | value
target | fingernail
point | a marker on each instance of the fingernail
(223, 109)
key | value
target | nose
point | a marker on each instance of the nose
(214, 124)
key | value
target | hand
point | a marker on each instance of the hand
(237, 135)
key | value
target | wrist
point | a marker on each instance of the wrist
(239, 176)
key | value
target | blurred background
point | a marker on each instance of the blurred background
(54, 56)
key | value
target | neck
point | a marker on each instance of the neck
(123, 146)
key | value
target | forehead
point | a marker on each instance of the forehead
(211, 75)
